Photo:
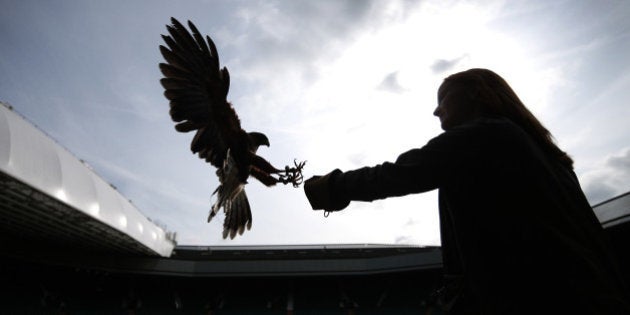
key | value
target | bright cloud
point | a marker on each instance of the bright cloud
(609, 178)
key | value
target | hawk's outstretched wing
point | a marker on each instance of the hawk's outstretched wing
(197, 89)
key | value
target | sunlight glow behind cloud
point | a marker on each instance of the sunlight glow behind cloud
(350, 122)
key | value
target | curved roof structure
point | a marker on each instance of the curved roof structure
(32, 164)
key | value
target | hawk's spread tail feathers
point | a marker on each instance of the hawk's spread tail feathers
(232, 198)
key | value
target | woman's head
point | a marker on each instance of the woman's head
(469, 94)
(481, 92)
(455, 104)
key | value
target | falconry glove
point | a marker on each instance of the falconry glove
(321, 194)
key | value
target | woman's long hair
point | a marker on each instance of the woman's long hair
(492, 95)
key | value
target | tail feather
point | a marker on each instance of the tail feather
(217, 204)
(238, 216)
(249, 218)
(232, 198)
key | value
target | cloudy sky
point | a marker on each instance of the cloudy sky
(341, 84)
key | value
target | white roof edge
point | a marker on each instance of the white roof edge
(28, 154)
(300, 247)
(613, 211)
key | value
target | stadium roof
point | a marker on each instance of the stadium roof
(614, 211)
(49, 193)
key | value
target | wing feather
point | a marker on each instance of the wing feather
(210, 52)
(176, 84)
(174, 59)
(197, 89)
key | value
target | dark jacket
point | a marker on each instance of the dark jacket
(515, 223)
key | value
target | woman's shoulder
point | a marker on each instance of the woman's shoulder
(485, 127)
(488, 128)
(486, 133)
(489, 121)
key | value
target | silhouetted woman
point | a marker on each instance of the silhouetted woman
(518, 235)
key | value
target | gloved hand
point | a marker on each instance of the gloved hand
(320, 194)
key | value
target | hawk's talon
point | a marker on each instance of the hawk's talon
(292, 175)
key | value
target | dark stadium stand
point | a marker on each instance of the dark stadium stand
(34, 287)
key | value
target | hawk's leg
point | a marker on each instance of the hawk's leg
(262, 170)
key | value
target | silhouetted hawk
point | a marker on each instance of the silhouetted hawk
(197, 89)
